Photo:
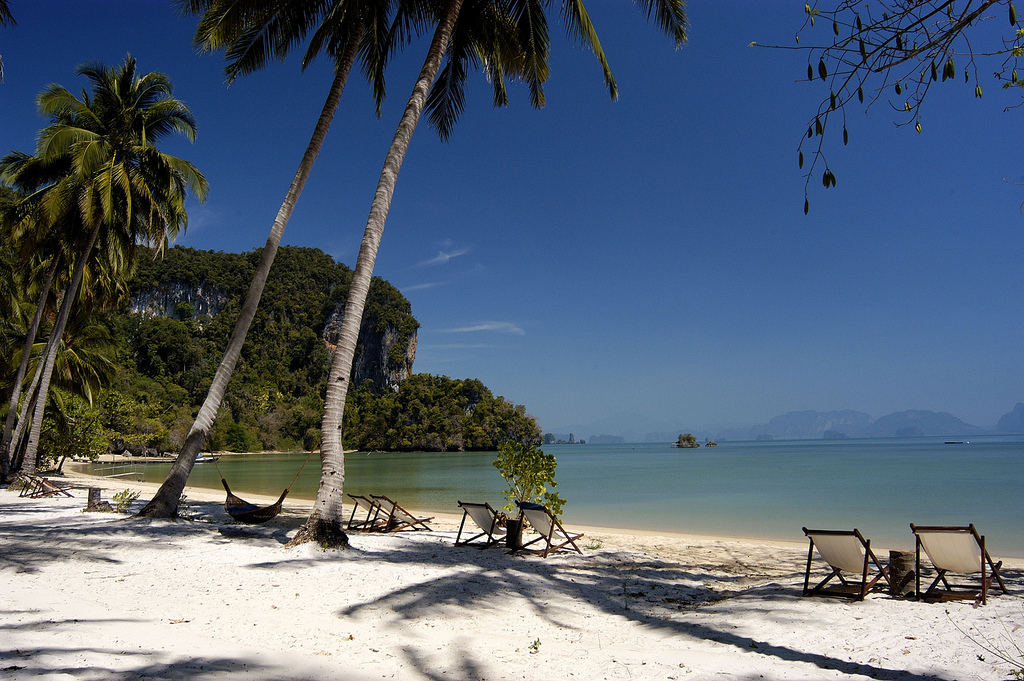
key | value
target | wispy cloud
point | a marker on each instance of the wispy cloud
(458, 346)
(443, 257)
(498, 327)
(420, 287)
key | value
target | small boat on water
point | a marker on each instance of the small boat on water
(958, 442)
(206, 458)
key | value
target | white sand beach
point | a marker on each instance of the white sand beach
(100, 596)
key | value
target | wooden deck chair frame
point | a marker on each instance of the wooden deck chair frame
(989, 569)
(36, 486)
(372, 521)
(551, 531)
(398, 518)
(859, 565)
(484, 517)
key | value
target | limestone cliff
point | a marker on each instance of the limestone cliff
(384, 355)
(164, 299)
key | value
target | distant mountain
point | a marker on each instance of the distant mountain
(606, 440)
(1012, 422)
(813, 425)
(807, 425)
(917, 423)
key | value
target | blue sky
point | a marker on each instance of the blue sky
(630, 266)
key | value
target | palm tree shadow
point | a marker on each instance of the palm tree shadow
(655, 593)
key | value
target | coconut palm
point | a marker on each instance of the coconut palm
(251, 32)
(16, 213)
(5, 20)
(324, 523)
(101, 179)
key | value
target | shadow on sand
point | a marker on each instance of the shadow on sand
(658, 594)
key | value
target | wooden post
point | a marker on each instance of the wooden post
(901, 573)
(514, 533)
(95, 504)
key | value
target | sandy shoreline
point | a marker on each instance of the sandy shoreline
(96, 596)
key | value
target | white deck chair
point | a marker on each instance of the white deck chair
(397, 518)
(844, 551)
(486, 518)
(957, 549)
(551, 531)
(372, 521)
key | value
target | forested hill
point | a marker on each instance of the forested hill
(181, 312)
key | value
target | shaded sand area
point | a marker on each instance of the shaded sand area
(99, 596)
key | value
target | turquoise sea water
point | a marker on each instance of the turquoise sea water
(740, 489)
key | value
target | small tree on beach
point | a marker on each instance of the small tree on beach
(528, 472)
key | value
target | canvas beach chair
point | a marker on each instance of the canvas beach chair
(960, 550)
(372, 521)
(35, 487)
(843, 551)
(397, 518)
(551, 531)
(486, 519)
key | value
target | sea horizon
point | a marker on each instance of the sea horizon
(751, 489)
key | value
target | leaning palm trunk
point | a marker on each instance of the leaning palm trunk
(28, 408)
(324, 525)
(70, 294)
(165, 503)
(30, 339)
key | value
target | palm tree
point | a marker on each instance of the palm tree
(17, 213)
(103, 181)
(251, 32)
(325, 522)
(5, 20)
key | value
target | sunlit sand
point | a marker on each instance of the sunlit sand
(98, 596)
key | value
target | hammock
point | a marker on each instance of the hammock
(251, 514)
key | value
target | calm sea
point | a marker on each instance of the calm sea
(739, 489)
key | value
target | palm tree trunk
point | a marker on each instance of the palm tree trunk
(324, 524)
(28, 407)
(165, 503)
(16, 392)
(52, 346)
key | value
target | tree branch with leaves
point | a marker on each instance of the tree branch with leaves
(895, 51)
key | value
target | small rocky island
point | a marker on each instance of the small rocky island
(686, 441)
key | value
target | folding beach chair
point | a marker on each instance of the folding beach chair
(35, 487)
(397, 518)
(372, 521)
(486, 518)
(955, 549)
(551, 531)
(844, 551)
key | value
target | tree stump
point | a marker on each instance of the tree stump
(94, 503)
(514, 533)
(901, 573)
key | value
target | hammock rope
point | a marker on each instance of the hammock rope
(245, 512)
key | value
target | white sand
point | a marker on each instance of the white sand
(98, 596)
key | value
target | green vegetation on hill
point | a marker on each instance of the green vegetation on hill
(435, 413)
(164, 364)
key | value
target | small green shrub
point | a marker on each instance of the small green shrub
(124, 499)
(528, 472)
